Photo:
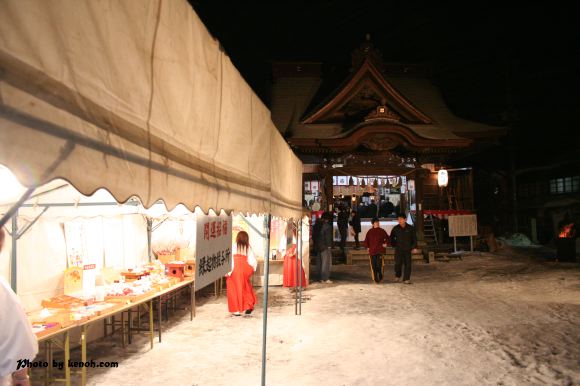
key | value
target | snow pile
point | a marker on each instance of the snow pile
(517, 240)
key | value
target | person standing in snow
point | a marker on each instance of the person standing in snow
(404, 239)
(376, 240)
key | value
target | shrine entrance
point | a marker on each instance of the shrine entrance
(383, 133)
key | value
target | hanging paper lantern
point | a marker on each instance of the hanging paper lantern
(442, 178)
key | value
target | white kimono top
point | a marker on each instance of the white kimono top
(17, 341)
(251, 257)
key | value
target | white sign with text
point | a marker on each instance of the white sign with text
(463, 225)
(213, 248)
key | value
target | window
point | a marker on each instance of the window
(565, 185)
(529, 189)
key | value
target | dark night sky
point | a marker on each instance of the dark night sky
(480, 54)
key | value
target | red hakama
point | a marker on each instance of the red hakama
(241, 296)
(290, 279)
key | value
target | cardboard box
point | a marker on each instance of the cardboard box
(64, 302)
(127, 299)
(166, 258)
(60, 316)
(190, 268)
(175, 270)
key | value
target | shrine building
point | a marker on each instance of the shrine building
(384, 133)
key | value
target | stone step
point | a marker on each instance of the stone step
(361, 256)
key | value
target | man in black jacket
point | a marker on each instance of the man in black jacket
(404, 239)
(323, 245)
(342, 224)
(356, 227)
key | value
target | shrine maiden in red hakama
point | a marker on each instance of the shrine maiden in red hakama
(241, 296)
(290, 278)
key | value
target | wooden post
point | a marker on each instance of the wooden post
(419, 181)
(328, 191)
(470, 187)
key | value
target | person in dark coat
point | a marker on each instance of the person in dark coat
(342, 224)
(323, 245)
(404, 239)
(387, 208)
(372, 209)
(362, 210)
(356, 227)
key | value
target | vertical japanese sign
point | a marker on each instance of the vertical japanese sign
(213, 248)
(73, 233)
(83, 277)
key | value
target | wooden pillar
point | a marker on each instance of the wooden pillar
(441, 198)
(470, 187)
(419, 189)
(328, 191)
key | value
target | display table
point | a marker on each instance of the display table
(276, 273)
(119, 305)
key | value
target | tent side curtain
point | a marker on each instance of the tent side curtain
(286, 179)
(136, 97)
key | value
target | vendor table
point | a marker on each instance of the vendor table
(49, 336)
(275, 273)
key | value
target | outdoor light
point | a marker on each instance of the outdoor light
(442, 178)
(350, 181)
(363, 183)
(375, 183)
(11, 188)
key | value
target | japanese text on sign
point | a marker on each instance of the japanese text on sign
(215, 229)
(216, 260)
(213, 248)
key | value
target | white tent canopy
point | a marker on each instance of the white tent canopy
(138, 98)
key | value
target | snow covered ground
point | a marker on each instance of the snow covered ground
(504, 319)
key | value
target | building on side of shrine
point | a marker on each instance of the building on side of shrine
(383, 133)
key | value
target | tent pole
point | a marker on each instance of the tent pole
(267, 223)
(30, 224)
(297, 271)
(299, 247)
(13, 211)
(149, 231)
(13, 266)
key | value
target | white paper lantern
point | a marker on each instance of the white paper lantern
(442, 178)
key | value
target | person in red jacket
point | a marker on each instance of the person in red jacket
(376, 240)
